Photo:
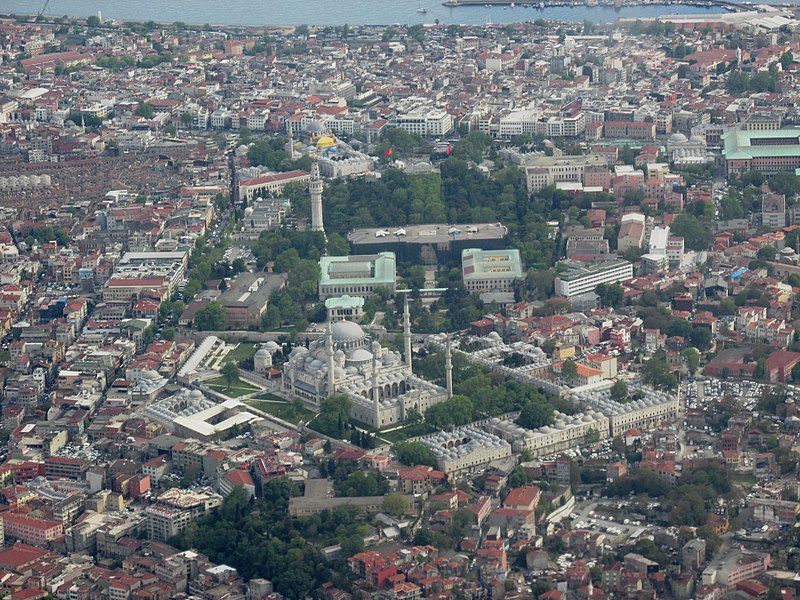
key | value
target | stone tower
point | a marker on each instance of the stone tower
(315, 191)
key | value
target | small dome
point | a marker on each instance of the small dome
(271, 345)
(677, 138)
(696, 139)
(493, 336)
(262, 353)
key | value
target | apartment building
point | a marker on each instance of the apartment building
(579, 278)
(425, 121)
(270, 185)
(491, 273)
(164, 522)
(551, 170)
(33, 531)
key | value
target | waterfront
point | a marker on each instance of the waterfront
(336, 12)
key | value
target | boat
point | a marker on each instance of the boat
(422, 10)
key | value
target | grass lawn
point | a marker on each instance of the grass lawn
(241, 352)
(242, 388)
(399, 435)
(283, 410)
(747, 479)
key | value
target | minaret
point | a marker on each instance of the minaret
(315, 191)
(331, 366)
(448, 369)
(376, 403)
(407, 333)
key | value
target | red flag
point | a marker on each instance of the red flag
(388, 152)
(449, 150)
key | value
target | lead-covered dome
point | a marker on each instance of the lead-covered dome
(343, 331)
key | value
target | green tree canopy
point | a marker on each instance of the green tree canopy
(212, 317)
(415, 453)
(396, 505)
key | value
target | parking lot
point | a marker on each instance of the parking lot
(590, 515)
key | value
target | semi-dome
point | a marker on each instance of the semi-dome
(346, 330)
(361, 355)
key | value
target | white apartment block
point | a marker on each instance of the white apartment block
(580, 279)
(426, 122)
(519, 122)
(221, 119)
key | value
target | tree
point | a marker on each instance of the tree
(301, 30)
(145, 110)
(536, 413)
(416, 277)
(701, 337)
(569, 371)
(692, 358)
(212, 317)
(334, 416)
(396, 505)
(415, 453)
(451, 413)
(168, 333)
(416, 32)
(230, 373)
(766, 253)
(656, 372)
(695, 233)
(93, 21)
(610, 294)
(592, 436)
(619, 391)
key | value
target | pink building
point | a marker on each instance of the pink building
(37, 532)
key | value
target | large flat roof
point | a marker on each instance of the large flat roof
(251, 289)
(376, 268)
(738, 144)
(490, 264)
(428, 234)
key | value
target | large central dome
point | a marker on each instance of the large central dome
(344, 331)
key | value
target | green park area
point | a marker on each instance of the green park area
(232, 390)
(244, 351)
(291, 412)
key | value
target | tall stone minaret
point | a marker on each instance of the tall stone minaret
(448, 369)
(315, 191)
(407, 332)
(376, 403)
(331, 365)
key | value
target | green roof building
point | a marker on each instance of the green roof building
(357, 275)
(765, 151)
